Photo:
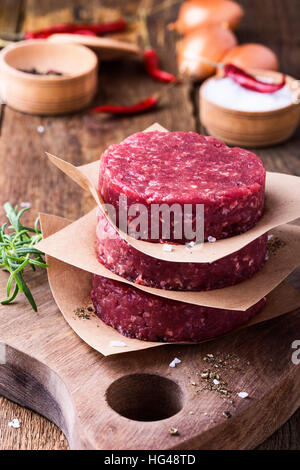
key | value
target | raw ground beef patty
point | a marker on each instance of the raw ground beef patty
(121, 258)
(186, 168)
(140, 315)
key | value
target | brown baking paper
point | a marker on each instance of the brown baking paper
(282, 205)
(75, 245)
(71, 288)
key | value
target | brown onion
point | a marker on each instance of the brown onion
(209, 43)
(195, 13)
(253, 56)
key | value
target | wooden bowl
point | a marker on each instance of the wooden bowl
(250, 128)
(48, 94)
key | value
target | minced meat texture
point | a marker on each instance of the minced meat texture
(123, 259)
(140, 315)
(186, 168)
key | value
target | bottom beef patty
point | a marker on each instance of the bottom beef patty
(140, 315)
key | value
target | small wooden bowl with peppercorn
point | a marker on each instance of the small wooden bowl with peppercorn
(38, 77)
(245, 117)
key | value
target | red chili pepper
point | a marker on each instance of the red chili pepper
(248, 81)
(151, 64)
(98, 29)
(140, 107)
(83, 32)
(86, 32)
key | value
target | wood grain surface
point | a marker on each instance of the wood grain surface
(80, 138)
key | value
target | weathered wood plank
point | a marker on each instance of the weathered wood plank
(35, 431)
(10, 15)
(277, 25)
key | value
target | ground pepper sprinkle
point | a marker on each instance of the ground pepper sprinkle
(216, 381)
(84, 312)
(274, 244)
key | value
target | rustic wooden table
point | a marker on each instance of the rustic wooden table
(80, 138)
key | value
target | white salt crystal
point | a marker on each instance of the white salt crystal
(270, 236)
(243, 394)
(267, 256)
(40, 129)
(25, 204)
(117, 344)
(190, 244)
(174, 362)
(216, 382)
(15, 423)
(167, 247)
(211, 239)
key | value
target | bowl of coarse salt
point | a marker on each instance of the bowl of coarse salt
(240, 116)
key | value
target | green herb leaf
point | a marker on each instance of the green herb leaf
(17, 251)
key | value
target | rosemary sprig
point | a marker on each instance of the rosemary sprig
(17, 251)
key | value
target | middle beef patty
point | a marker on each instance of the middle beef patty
(122, 259)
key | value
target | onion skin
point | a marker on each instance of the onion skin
(252, 56)
(210, 42)
(195, 13)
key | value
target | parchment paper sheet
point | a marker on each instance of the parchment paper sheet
(282, 205)
(71, 290)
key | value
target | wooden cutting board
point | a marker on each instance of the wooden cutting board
(130, 401)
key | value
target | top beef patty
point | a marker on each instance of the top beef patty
(186, 168)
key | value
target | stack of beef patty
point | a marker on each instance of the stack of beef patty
(185, 169)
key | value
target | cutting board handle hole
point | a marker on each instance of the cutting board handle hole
(145, 397)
